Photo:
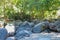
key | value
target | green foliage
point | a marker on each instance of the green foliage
(29, 9)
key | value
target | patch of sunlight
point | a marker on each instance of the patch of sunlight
(27, 12)
(15, 8)
(58, 13)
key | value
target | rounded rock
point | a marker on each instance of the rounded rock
(39, 28)
(24, 26)
(10, 29)
(22, 34)
(3, 33)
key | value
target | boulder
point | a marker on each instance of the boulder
(39, 27)
(55, 26)
(58, 28)
(10, 38)
(11, 29)
(56, 23)
(24, 26)
(22, 34)
(52, 26)
(3, 33)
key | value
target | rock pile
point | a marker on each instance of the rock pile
(21, 30)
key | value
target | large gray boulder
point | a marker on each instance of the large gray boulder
(24, 26)
(58, 28)
(52, 26)
(3, 33)
(56, 23)
(55, 26)
(40, 27)
(22, 34)
(10, 29)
